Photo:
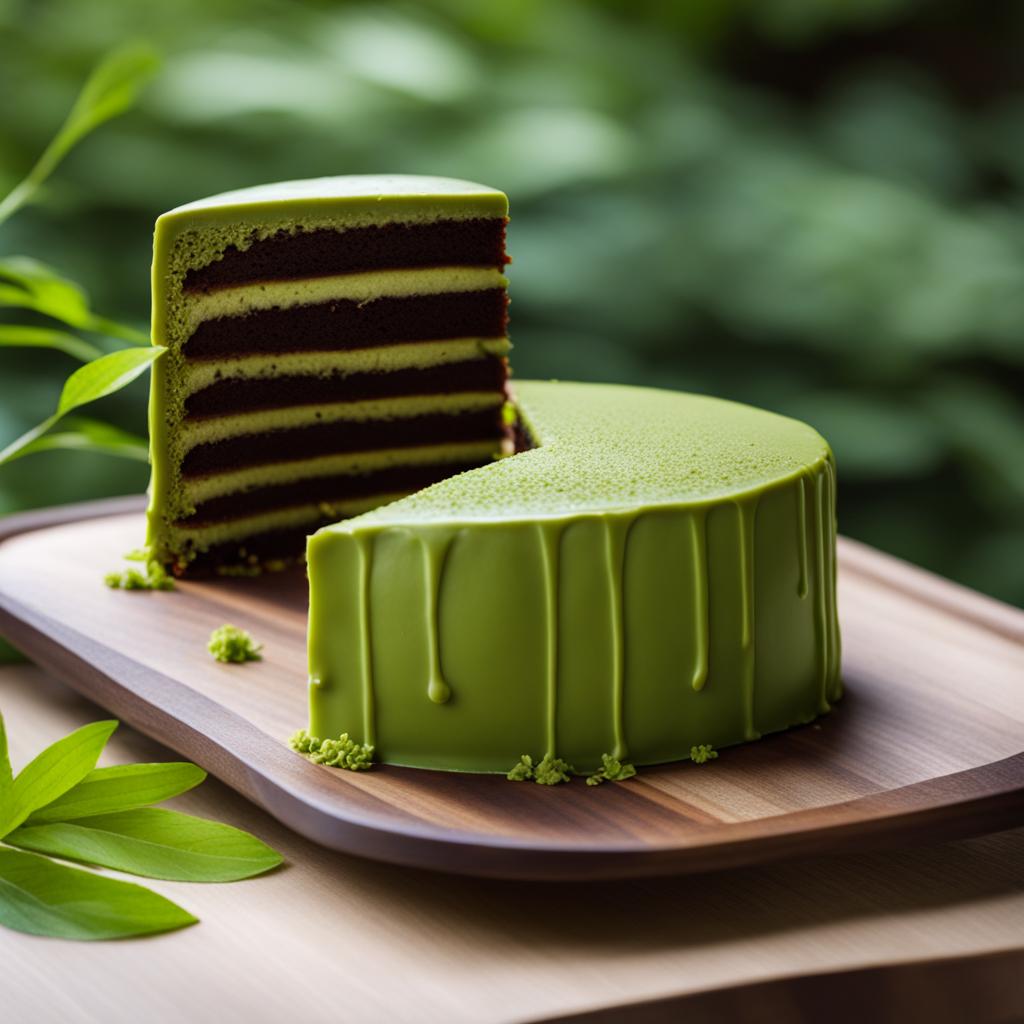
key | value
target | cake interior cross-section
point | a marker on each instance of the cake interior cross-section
(327, 352)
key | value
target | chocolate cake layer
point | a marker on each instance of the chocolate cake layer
(328, 489)
(522, 441)
(346, 436)
(226, 397)
(345, 324)
(324, 252)
(260, 547)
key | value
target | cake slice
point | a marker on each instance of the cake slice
(333, 344)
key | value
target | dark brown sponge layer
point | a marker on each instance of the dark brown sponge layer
(327, 490)
(274, 545)
(226, 397)
(319, 439)
(479, 242)
(344, 324)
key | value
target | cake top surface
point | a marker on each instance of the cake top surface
(606, 448)
(360, 193)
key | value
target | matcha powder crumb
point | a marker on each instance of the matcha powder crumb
(153, 577)
(231, 644)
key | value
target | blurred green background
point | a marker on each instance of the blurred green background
(811, 205)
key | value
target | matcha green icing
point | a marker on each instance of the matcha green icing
(658, 572)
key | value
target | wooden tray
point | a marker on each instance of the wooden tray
(928, 742)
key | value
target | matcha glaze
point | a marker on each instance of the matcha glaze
(658, 573)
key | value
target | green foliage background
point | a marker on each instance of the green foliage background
(814, 206)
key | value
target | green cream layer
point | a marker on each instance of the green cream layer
(199, 233)
(202, 488)
(658, 573)
(278, 519)
(220, 428)
(417, 355)
(380, 284)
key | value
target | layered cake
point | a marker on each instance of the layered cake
(645, 574)
(332, 344)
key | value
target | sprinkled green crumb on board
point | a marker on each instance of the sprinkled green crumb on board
(340, 753)
(702, 753)
(230, 644)
(549, 772)
(522, 771)
(611, 770)
(152, 577)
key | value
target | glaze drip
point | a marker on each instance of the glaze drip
(365, 547)
(822, 629)
(616, 532)
(801, 536)
(746, 512)
(830, 529)
(435, 551)
(698, 538)
(550, 539)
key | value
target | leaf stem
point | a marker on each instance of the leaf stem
(11, 451)
(101, 325)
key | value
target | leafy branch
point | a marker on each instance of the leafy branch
(28, 284)
(96, 379)
(61, 805)
(109, 91)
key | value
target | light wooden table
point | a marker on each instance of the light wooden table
(935, 933)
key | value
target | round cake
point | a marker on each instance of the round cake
(656, 573)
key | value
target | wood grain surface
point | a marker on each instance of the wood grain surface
(928, 741)
(928, 933)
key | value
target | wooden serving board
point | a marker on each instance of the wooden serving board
(928, 742)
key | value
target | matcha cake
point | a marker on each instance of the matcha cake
(656, 573)
(332, 344)
(649, 575)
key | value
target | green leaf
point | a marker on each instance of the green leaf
(53, 772)
(6, 778)
(26, 283)
(83, 434)
(43, 898)
(16, 335)
(154, 842)
(95, 380)
(104, 376)
(123, 787)
(109, 91)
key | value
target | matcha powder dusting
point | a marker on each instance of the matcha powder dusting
(231, 644)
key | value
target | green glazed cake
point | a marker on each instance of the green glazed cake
(657, 573)
(564, 573)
